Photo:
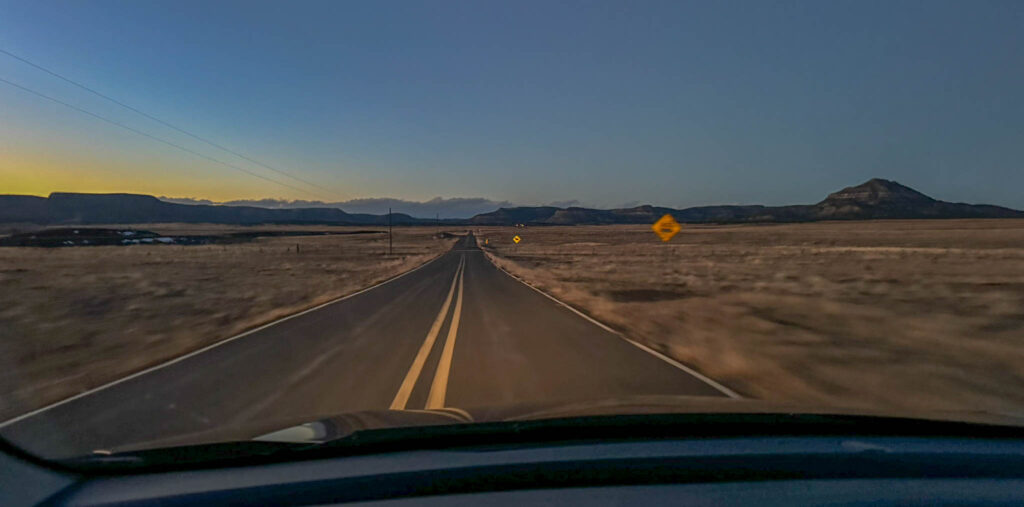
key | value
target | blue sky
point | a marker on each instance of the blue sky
(670, 103)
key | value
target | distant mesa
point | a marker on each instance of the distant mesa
(62, 208)
(874, 199)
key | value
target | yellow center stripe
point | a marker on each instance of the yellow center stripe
(437, 389)
(402, 397)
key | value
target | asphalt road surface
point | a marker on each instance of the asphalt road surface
(456, 332)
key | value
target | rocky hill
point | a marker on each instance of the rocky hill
(874, 199)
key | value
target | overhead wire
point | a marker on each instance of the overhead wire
(160, 121)
(150, 136)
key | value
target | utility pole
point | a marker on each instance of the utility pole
(437, 223)
(389, 231)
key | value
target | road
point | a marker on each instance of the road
(456, 332)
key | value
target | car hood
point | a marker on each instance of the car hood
(325, 428)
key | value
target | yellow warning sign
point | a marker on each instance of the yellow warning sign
(517, 239)
(666, 227)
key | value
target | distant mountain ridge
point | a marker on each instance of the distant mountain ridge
(453, 207)
(874, 199)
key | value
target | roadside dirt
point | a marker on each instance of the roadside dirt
(882, 315)
(74, 318)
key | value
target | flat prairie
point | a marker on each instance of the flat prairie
(77, 317)
(898, 315)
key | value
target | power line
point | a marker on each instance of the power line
(141, 133)
(158, 120)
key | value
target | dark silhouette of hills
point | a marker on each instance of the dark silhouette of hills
(72, 208)
(874, 199)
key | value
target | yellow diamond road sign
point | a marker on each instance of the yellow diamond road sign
(517, 239)
(666, 227)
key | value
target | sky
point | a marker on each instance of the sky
(595, 103)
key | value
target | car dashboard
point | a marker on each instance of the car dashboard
(701, 471)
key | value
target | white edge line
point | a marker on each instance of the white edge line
(724, 390)
(208, 347)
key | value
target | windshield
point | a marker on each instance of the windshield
(289, 222)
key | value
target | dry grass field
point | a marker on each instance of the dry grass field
(75, 318)
(882, 315)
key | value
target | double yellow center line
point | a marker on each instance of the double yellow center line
(438, 388)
